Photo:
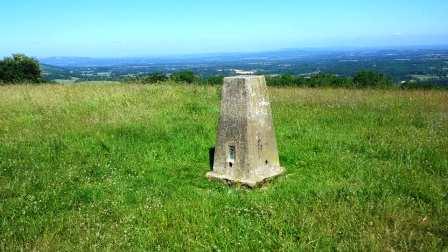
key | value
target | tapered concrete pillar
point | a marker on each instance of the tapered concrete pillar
(246, 149)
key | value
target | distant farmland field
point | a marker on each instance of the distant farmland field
(123, 167)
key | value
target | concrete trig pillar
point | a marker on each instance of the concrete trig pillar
(246, 149)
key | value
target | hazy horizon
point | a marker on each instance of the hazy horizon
(443, 46)
(108, 29)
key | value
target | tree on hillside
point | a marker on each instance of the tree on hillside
(371, 79)
(155, 78)
(20, 68)
(184, 76)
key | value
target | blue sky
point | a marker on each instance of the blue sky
(108, 28)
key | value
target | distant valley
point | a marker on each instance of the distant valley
(402, 64)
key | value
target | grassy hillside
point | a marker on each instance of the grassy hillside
(123, 167)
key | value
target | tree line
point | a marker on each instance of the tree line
(188, 77)
(362, 79)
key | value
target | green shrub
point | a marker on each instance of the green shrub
(20, 69)
(184, 76)
(155, 78)
(371, 79)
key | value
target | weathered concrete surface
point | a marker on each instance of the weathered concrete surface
(246, 149)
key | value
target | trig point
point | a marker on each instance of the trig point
(246, 149)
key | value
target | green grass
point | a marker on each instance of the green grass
(123, 167)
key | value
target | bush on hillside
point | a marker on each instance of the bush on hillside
(328, 80)
(285, 80)
(371, 79)
(20, 68)
(155, 78)
(184, 76)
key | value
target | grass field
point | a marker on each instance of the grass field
(123, 167)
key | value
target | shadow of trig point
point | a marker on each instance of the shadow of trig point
(246, 149)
